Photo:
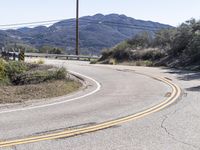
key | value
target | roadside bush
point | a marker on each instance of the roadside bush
(106, 53)
(141, 40)
(121, 51)
(2, 69)
(35, 77)
(122, 54)
(51, 50)
(193, 49)
(93, 61)
(4, 80)
(144, 63)
(59, 74)
(122, 46)
(14, 68)
(19, 73)
(112, 61)
(151, 55)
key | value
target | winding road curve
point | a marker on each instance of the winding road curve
(113, 97)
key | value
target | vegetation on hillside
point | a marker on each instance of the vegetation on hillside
(175, 47)
(51, 50)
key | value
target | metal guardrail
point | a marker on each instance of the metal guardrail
(9, 55)
(13, 55)
(68, 57)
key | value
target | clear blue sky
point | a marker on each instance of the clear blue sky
(171, 12)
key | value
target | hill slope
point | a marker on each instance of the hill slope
(176, 47)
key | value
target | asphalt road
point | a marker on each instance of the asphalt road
(122, 92)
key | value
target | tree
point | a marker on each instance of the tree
(51, 50)
(141, 40)
(193, 49)
(164, 38)
(56, 51)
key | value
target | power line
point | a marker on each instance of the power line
(31, 23)
(29, 26)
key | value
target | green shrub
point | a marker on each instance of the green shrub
(193, 49)
(144, 63)
(122, 46)
(60, 74)
(14, 68)
(4, 80)
(39, 76)
(141, 40)
(93, 61)
(151, 55)
(112, 61)
(138, 63)
(106, 53)
(122, 54)
(2, 69)
(19, 73)
(148, 63)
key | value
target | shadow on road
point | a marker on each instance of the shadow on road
(194, 89)
(186, 76)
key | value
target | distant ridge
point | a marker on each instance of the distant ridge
(96, 32)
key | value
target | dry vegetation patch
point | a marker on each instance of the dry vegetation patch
(20, 82)
(22, 93)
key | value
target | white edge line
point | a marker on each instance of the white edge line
(65, 101)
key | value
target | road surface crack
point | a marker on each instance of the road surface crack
(173, 136)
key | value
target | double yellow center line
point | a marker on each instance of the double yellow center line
(176, 91)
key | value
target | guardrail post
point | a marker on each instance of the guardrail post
(21, 56)
(14, 56)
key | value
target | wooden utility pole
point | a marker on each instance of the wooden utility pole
(77, 27)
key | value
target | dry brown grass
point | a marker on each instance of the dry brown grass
(16, 94)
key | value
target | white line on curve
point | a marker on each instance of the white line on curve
(61, 102)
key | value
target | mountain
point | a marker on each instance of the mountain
(6, 38)
(96, 32)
